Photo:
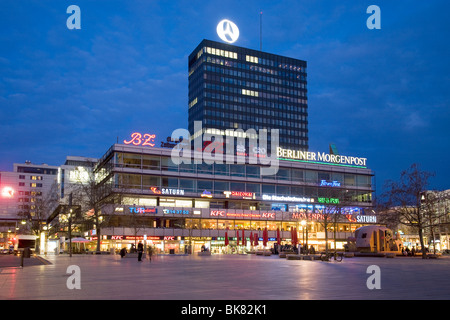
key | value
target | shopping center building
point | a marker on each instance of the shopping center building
(174, 207)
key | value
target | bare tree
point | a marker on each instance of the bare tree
(88, 193)
(334, 201)
(402, 199)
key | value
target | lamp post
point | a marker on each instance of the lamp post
(305, 226)
(303, 223)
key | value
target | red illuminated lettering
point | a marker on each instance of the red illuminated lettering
(217, 213)
(149, 138)
(270, 215)
(137, 139)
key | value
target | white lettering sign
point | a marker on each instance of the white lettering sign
(320, 157)
(268, 197)
(366, 219)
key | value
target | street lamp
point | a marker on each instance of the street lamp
(304, 223)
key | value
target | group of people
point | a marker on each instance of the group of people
(296, 249)
(407, 252)
(140, 251)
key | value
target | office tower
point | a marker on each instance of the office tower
(232, 87)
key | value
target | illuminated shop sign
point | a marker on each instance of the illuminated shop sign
(139, 139)
(318, 212)
(325, 183)
(217, 213)
(241, 150)
(143, 210)
(206, 194)
(320, 157)
(328, 200)
(239, 194)
(361, 219)
(279, 207)
(141, 238)
(167, 191)
(258, 152)
(134, 238)
(223, 213)
(307, 216)
(199, 238)
(176, 211)
(269, 197)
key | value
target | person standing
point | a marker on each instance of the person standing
(140, 251)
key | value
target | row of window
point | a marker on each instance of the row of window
(236, 89)
(219, 71)
(288, 112)
(142, 161)
(252, 59)
(32, 185)
(30, 193)
(37, 170)
(253, 100)
(259, 77)
(31, 177)
(246, 115)
(275, 70)
(146, 182)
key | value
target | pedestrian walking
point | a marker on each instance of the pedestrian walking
(140, 251)
(150, 252)
(123, 252)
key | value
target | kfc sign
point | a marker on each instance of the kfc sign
(217, 213)
(268, 215)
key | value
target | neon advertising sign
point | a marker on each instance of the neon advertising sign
(167, 191)
(139, 139)
(239, 194)
(325, 183)
(271, 197)
(361, 219)
(143, 210)
(223, 213)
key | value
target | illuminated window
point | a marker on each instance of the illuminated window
(222, 53)
(250, 93)
(251, 59)
(192, 103)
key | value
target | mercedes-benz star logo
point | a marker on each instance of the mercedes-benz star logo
(228, 31)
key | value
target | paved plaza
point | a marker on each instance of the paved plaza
(223, 277)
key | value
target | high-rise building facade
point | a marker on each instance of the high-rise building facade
(232, 87)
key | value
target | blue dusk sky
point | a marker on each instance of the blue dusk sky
(382, 94)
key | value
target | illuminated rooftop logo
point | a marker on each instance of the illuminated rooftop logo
(228, 31)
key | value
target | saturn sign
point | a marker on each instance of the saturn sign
(228, 31)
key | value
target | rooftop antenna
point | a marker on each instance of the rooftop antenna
(260, 31)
